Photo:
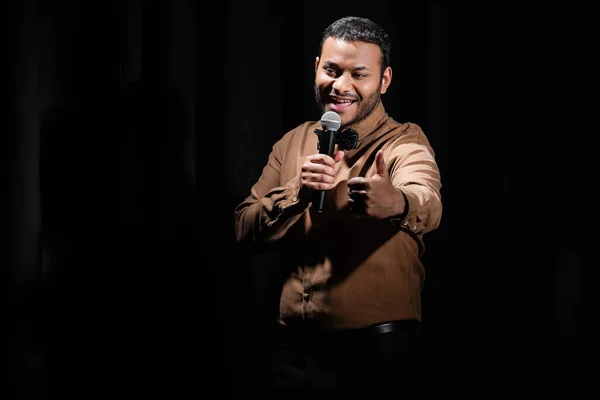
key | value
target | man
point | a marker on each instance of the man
(350, 307)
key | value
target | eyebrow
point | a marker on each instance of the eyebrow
(336, 65)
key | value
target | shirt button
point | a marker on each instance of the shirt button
(306, 297)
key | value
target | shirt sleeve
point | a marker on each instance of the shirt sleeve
(272, 207)
(414, 171)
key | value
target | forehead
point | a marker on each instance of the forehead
(351, 54)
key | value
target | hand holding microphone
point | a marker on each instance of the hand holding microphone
(319, 170)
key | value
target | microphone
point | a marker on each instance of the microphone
(330, 122)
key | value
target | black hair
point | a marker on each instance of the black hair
(361, 30)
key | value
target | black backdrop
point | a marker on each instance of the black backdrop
(134, 128)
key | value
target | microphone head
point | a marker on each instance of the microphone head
(331, 121)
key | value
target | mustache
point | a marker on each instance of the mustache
(341, 97)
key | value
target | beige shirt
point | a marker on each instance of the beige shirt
(347, 272)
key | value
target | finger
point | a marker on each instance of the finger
(318, 169)
(321, 159)
(359, 195)
(338, 156)
(321, 185)
(357, 183)
(309, 178)
(357, 207)
(380, 164)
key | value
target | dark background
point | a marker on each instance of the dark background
(133, 128)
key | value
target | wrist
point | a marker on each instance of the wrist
(401, 210)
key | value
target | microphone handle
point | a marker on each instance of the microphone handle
(326, 146)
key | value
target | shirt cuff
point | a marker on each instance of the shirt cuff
(408, 220)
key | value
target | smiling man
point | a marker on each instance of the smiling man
(350, 77)
(350, 306)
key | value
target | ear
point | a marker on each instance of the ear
(316, 63)
(386, 80)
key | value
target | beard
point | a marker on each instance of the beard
(366, 106)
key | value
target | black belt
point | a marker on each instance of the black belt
(394, 326)
(400, 326)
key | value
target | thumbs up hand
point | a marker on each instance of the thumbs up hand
(375, 197)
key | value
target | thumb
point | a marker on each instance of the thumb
(338, 156)
(380, 164)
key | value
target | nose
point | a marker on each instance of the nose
(342, 84)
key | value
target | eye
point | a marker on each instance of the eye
(359, 76)
(330, 71)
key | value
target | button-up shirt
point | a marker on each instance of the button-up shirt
(347, 271)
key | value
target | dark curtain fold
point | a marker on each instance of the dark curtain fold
(103, 170)
(121, 269)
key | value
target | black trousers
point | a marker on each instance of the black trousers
(382, 361)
